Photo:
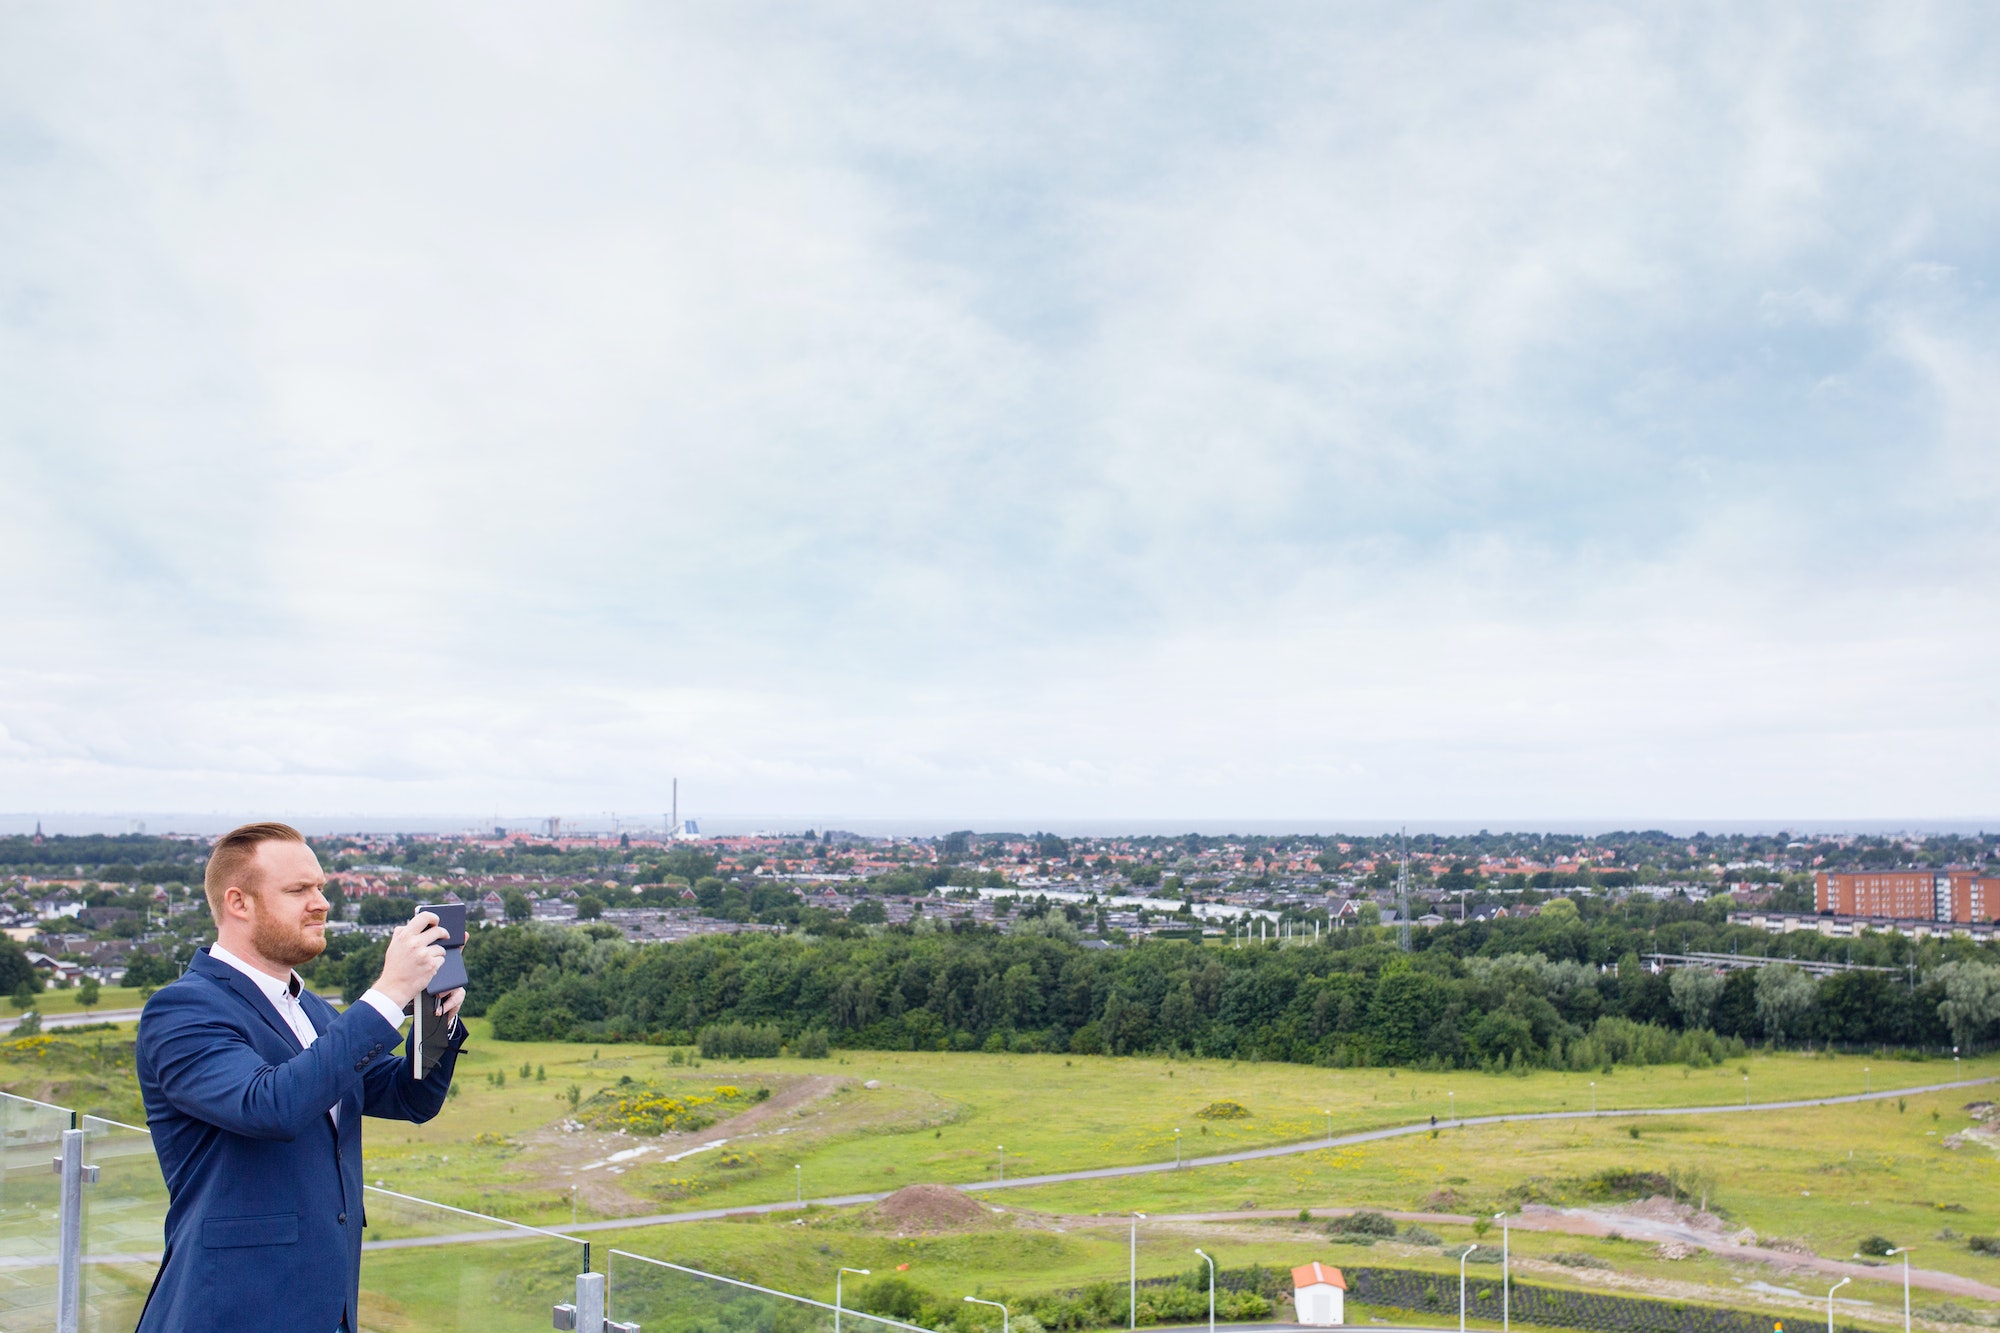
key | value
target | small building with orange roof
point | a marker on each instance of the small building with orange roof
(1319, 1294)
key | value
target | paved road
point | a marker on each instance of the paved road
(1220, 1159)
(73, 1020)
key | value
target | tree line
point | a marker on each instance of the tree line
(1553, 990)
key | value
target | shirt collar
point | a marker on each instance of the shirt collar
(275, 991)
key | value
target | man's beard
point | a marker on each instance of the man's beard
(286, 944)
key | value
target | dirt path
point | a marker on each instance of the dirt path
(567, 1155)
(1635, 1224)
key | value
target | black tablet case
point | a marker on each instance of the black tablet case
(432, 1032)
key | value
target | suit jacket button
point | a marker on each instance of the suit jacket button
(360, 1065)
(342, 1219)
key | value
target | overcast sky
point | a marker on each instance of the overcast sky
(1001, 411)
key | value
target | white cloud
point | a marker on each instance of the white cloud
(1011, 410)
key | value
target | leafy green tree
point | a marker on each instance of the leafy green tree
(1407, 1007)
(688, 863)
(15, 969)
(1971, 1006)
(1784, 997)
(87, 993)
(1695, 991)
(385, 910)
(516, 904)
(149, 969)
(589, 907)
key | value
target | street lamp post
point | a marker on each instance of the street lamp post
(1593, 1096)
(1177, 1148)
(1132, 1300)
(1000, 1148)
(1829, 1301)
(1506, 1324)
(1905, 1252)
(1461, 1285)
(799, 1180)
(1746, 1092)
(1957, 1069)
(1211, 1288)
(836, 1292)
(1329, 1125)
(1454, 1106)
(974, 1300)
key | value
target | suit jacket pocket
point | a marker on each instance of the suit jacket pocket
(228, 1233)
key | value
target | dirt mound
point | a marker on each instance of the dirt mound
(1659, 1208)
(930, 1208)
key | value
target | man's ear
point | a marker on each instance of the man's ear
(235, 902)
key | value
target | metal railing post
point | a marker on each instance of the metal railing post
(69, 1230)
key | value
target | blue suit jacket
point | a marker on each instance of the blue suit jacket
(264, 1224)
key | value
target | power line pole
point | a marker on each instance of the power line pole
(1403, 894)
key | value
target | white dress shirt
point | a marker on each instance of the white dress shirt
(284, 997)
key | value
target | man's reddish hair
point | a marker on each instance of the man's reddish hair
(229, 860)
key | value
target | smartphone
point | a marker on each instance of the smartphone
(451, 975)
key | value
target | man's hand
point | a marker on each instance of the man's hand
(449, 1001)
(413, 958)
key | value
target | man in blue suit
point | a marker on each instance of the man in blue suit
(255, 1088)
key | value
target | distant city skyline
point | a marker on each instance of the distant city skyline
(74, 823)
(1105, 410)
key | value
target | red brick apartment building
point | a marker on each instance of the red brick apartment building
(1909, 895)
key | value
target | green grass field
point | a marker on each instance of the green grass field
(1826, 1177)
(65, 1001)
(945, 1118)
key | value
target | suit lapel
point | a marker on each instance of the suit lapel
(246, 990)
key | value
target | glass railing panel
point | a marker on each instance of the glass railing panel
(30, 1139)
(124, 1224)
(663, 1297)
(425, 1265)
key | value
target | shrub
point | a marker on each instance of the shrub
(1363, 1224)
(744, 1040)
(646, 1107)
(813, 1045)
(1876, 1245)
(895, 1297)
(1983, 1244)
(1626, 1184)
(1416, 1235)
(531, 1014)
(1223, 1111)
